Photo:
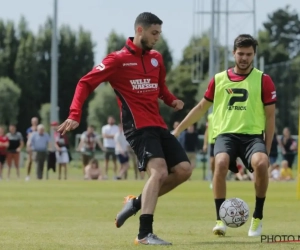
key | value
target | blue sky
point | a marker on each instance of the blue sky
(101, 16)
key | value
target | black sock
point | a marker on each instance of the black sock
(137, 202)
(259, 206)
(218, 203)
(146, 221)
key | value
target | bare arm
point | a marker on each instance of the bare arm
(270, 125)
(108, 136)
(193, 116)
(205, 143)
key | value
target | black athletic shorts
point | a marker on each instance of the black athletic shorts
(155, 142)
(2, 159)
(110, 152)
(240, 145)
(211, 149)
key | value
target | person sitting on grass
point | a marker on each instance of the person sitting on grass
(92, 170)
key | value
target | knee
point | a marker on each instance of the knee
(221, 164)
(183, 170)
(260, 162)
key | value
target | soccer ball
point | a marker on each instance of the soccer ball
(234, 212)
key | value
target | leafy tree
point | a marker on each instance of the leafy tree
(279, 45)
(9, 96)
(44, 113)
(115, 42)
(103, 105)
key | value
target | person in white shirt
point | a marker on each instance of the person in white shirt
(122, 151)
(108, 133)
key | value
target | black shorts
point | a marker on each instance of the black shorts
(239, 145)
(123, 159)
(155, 142)
(211, 150)
(110, 152)
(2, 159)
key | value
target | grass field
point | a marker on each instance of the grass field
(77, 215)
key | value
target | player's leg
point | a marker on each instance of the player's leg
(9, 158)
(256, 158)
(107, 156)
(225, 151)
(212, 162)
(114, 159)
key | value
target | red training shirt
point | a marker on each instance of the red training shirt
(3, 139)
(138, 79)
(268, 88)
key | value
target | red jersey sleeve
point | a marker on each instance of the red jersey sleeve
(164, 93)
(210, 91)
(268, 91)
(87, 84)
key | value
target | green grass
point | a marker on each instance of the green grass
(77, 215)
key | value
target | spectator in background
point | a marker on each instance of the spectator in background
(92, 171)
(285, 171)
(61, 153)
(39, 143)
(108, 133)
(87, 145)
(29, 131)
(274, 149)
(191, 144)
(209, 144)
(4, 142)
(122, 152)
(274, 172)
(16, 144)
(288, 146)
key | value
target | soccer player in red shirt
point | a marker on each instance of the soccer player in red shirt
(243, 101)
(137, 75)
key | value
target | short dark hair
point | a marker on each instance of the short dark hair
(245, 40)
(146, 19)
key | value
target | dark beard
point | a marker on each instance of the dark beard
(250, 65)
(144, 45)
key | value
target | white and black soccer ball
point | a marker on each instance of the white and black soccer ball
(234, 212)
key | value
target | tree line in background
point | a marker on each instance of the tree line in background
(25, 70)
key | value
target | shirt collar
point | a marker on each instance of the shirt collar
(133, 49)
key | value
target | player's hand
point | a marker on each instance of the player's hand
(175, 133)
(67, 125)
(177, 104)
(204, 148)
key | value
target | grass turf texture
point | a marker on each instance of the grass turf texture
(77, 214)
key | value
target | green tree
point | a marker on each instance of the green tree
(26, 68)
(115, 42)
(162, 46)
(44, 113)
(9, 96)
(180, 78)
(103, 105)
(279, 45)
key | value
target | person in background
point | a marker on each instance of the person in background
(4, 142)
(122, 152)
(108, 134)
(92, 170)
(209, 143)
(274, 149)
(288, 146)
(61, 153)
(29, 131)
(16, 144)
(39, 143)
(87, 145)
(286, 173)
